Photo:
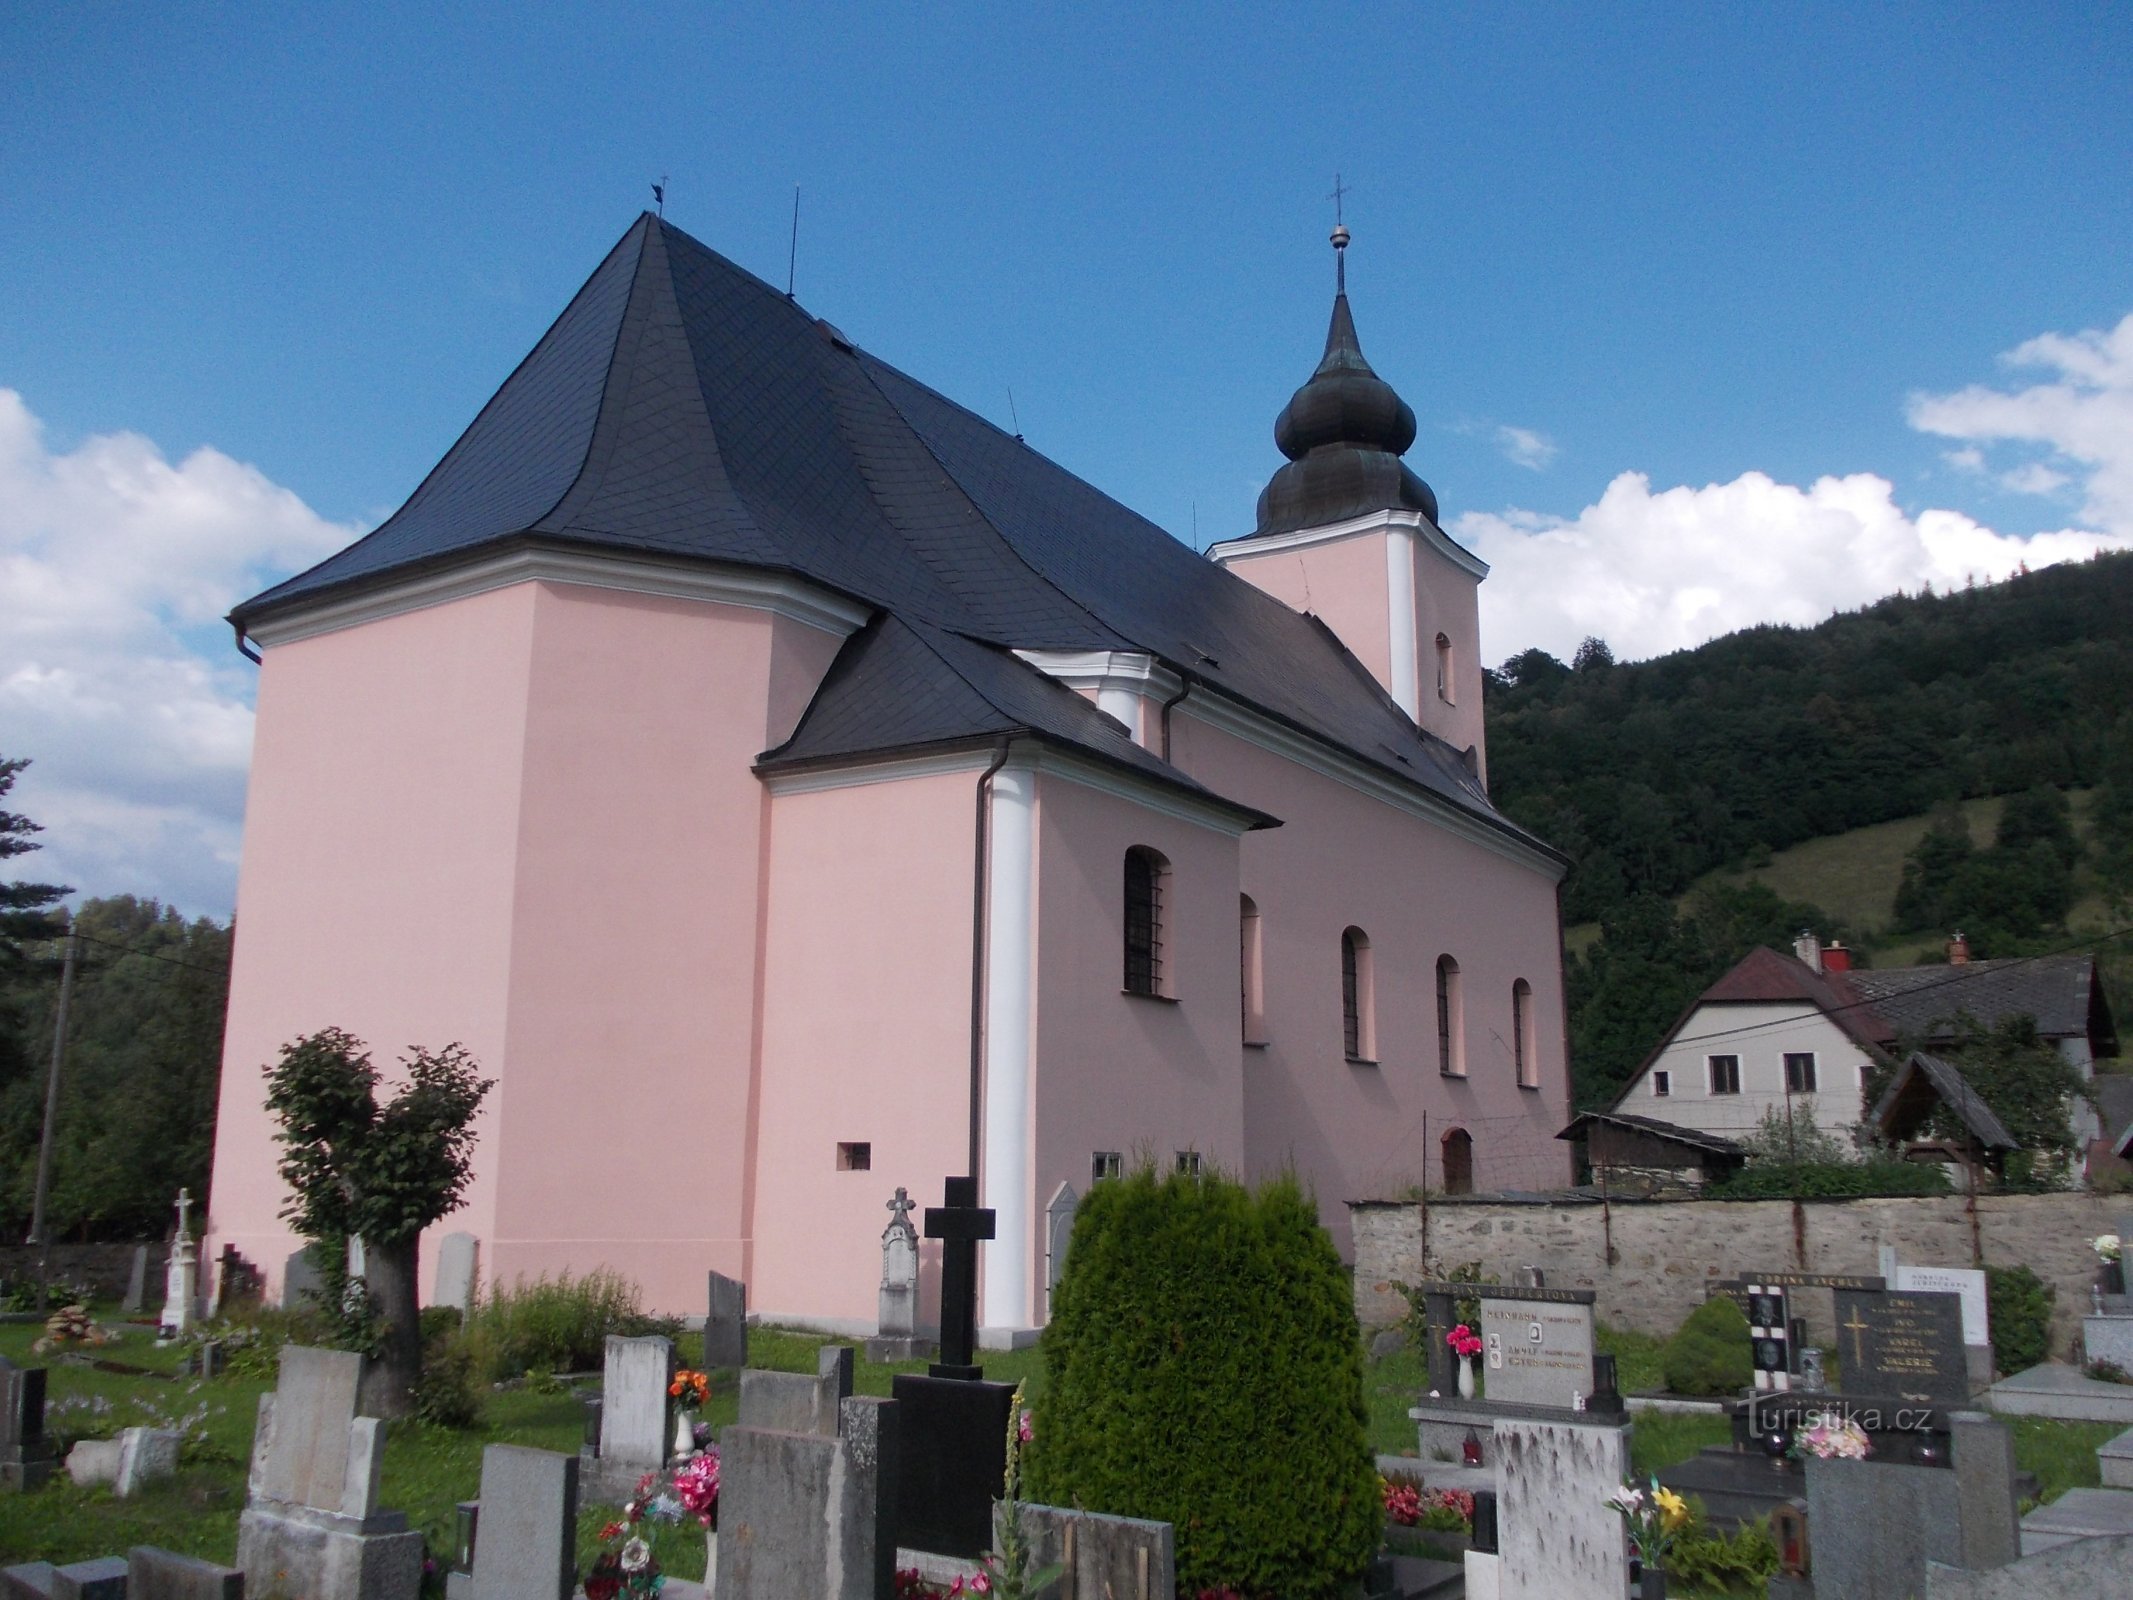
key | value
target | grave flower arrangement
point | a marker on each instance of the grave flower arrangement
(2106, 1247)
(1831, 1438)
(690, 1387)
(1465, 1342)
(1653, 1516)
(625, 1565)
(1409, 1504)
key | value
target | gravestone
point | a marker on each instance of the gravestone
(312, 1529)
(153, 1574)
(896, 1311)
(1875, 1524)
(1102, 1557)
(526, 1544)
(792, 1402)
(636, 1418)
(101, 1579)
(725, 1323)
(1555, 1532)
(300, 1279)
(136, 1281)
(181, 1277)
(1537, 1350)
(952, 1423)
(807, 1515)
(458, 1272)
(146, 1455)
(1968, 1285)
(25, 1452)
(1905, 1346)
(1058, 1234)
(1769, 1311)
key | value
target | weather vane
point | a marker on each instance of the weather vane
(1340, 236)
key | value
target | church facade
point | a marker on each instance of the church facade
(790, 787)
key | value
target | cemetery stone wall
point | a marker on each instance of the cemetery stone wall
(1670, 1256)
(108, 1268)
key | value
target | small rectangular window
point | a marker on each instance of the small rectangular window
(1662, 1084)
(1188, 1163)
(1105, 1164)
(1800, 1072)
(1725, 1074)
(855, 1156)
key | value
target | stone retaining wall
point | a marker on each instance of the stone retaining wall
(107, 1266)
(1667, 1255)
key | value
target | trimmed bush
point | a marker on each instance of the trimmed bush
(1709, 1353)
(2019, 1307)
(1203, 1368)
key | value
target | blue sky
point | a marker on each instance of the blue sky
(261, 264)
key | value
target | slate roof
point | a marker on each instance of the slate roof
(2059, 991)
(682, 407)
(1923, 1079)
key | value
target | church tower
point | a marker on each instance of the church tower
(1348, 533)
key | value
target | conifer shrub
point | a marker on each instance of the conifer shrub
(1204, 1368)
(1709, 1354)
(2018, 1308)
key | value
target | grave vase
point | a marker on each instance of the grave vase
(684, 1433)
(1651, 1585)
(1466, 1377)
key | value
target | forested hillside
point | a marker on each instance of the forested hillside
(1657, 774)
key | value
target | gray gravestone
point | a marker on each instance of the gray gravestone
(527, 1544)
(801, 1515)
(101, 1579)
(896, 1336)
(458, 1272)
(636, 1412)
(1967, 1284)
(314, 1409)
(1537, 1352)
(1908, 1346)
(1875, 1524)
(2082, 1567)
(725, 1323)
(136, 1280)
(1556, 1533)
(146, 1455)
(2108, 1339)
(1981, 1450)
(25, 1452)
(299, 1279)
(1058, 1234)
(1104, 1558)
(792, 1402)
(153, 1574)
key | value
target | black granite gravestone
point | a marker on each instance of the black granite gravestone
(1909, 1346)
(959, 1222)
(1770, 1336)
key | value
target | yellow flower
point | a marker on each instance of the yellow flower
(1673, 1510)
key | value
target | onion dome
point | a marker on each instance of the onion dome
(1344, 433)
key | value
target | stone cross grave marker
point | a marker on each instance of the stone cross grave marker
(25, 1452)
(896, 1307)
(181, 1277)
(725, 1322)
(959, 1223)
(1909, 1346)
(526, 1538)
(458, 1272)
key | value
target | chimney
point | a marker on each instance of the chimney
(1809, 949)
(1836, 958)
(1958, 950)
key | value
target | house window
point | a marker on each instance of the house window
(1147, 877)
(1250, 972)
(1359, 1033)
(1799, 1072)
(855, 1156)
(1188, 1163)
(1105, 1164)
(1725, 1074)
(1444, 669)
(1451, 1047)
(1458, 1162)
(1523, 1040)
(1662, 1084)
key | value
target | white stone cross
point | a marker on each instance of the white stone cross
(900, 1210)
(185, 1206)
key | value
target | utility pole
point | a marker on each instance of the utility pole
(51, 1122)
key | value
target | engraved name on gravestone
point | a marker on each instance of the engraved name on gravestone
(1906, 1345)
(1537, 1352)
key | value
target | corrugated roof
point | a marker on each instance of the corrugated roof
(680, 406)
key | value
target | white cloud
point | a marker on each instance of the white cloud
(1522, 447)
(2082, 419)
(115, 568)
(1653, 571)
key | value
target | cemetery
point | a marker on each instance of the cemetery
(1505, 1440)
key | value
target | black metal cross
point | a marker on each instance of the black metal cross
(959, 1223)
(1339, 191)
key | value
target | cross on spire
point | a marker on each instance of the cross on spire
(1340, 237)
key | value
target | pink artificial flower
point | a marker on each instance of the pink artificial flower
(1025, 1430)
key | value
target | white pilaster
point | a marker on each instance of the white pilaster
(1009, 1001)
(1400, 615)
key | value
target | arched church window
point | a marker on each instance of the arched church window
(1444, 668)
(1147, 879)
(1458, 1162)
(1251, 972)
(1451, 1047)
(1523, 1039)
(1359, 1032)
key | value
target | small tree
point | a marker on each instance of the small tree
(380, 1173)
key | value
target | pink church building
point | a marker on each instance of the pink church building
(789, 787)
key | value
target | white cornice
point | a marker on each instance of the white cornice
(1373, 522)
(1210, 813)
(716, 582)
(1233, 717)
(862, 773)
(1132, 670)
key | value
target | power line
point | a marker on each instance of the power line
(221, 971)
